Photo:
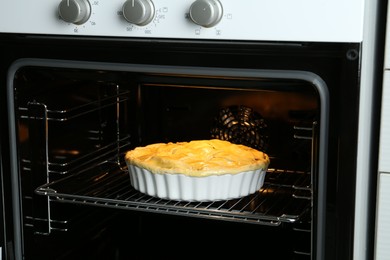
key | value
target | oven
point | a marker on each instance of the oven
(82, 82)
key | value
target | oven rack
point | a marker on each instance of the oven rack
(109, 187)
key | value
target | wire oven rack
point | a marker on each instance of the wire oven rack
(109, 186)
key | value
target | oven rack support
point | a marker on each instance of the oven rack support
(50, 162)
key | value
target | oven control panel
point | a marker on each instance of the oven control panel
(276, 20)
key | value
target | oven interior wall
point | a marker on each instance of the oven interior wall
(70, 119)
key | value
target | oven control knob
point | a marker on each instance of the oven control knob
(74, 11)
(206, 13)
(138, 12)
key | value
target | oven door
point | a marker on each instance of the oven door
(166, 83)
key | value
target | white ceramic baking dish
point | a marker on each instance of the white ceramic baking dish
(189, 188)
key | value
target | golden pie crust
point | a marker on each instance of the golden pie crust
(198, 158)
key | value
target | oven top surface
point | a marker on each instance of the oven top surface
(281, 20)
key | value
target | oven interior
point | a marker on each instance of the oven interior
(74, 126)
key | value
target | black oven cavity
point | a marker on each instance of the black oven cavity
(75, 123)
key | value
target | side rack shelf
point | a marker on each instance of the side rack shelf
(110, 187)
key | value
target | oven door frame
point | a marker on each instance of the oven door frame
(348, 54)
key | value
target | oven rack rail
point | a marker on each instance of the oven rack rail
(70, 165)
(66, 114)
(272, 205)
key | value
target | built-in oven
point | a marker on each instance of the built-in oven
(83, 82)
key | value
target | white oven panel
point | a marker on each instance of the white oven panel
(276, 20)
